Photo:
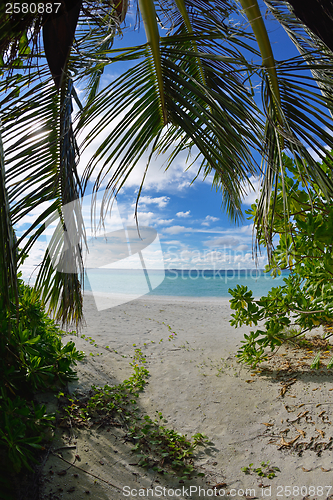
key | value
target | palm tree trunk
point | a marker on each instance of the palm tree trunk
(8, 251)
(317, 15)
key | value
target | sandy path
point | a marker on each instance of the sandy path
(199, 387)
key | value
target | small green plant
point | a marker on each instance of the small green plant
(172, 335)
(265, 470)
(156, 446)
(33, 358)
(159, 447)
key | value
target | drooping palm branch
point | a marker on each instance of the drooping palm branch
(298, 117)
(37, 168)
(188, 90)
(40, 160)
(37, 175)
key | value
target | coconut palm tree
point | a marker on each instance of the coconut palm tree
(190, 89)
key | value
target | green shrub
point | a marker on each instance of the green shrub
(304, 228)
(32, 358)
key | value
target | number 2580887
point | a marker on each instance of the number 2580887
(32, 8)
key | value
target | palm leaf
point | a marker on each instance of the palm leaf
(297, 117)
(8, 251)
(213, 119)
(41, 171)
(306, 126)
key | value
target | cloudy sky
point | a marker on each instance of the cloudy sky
(193, 230)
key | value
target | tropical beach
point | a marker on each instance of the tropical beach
(148, 177)
(197, 384)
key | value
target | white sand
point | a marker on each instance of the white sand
(198, 385)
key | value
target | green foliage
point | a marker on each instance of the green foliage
(265, 470)
(156, 446)
(32, 357)
(21, 429)
(305, 249)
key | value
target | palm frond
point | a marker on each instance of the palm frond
(306, 130)
(297, 116)
(8, 250)
(212, 118)
(147, 9)
(310, 46)
(41, 171)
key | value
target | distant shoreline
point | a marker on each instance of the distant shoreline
(182, 285)
(172, 269)
(169, 299)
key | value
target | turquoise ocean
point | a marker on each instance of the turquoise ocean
(179, 282)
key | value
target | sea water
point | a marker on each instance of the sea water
(180, 282)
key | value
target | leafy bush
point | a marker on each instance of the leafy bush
(305, 249)
(32, 357)
(157, 447)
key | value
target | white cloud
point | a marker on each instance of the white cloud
(183, 214)
(223, 241)
(242, 248)
(176, 229)
(177, 177)
(184, 184)
(252, 194)
(162, 222)
(210, 218)
(161, 201)
(30, 267)
(33, 215)
(144, 218)
(173, 242)
(246, 229)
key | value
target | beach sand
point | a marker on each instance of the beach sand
(197, 384)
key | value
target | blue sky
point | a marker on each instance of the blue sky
(194, 231)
